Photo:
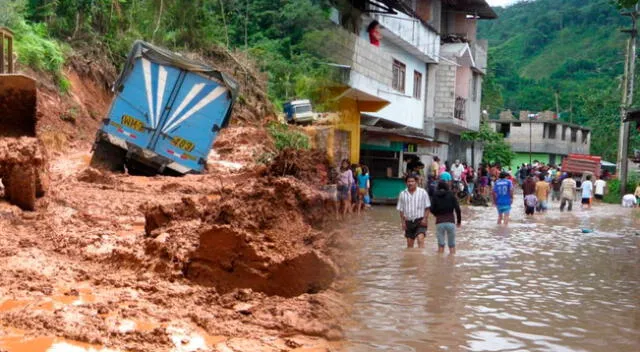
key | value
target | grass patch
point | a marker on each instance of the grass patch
(285, 137)
(613, 195)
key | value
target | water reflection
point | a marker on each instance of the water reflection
(539, 285)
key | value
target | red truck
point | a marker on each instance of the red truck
(582, 163)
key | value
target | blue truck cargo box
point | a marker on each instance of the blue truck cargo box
(167, 110)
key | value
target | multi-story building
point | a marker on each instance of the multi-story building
(463, 64)
(411, 94)
(541, 137)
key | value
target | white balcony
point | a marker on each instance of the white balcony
(410, 34)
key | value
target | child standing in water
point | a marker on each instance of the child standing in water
(530, 204)
(363, 187)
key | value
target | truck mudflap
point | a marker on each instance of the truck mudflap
(152, 160)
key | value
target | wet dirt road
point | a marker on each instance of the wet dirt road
(539, 285)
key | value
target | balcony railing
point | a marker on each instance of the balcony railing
(460, 108)
(410, 34)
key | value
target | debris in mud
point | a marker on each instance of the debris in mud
(243, 144)
(310, 166)
(237, 259)
(91, 175)
(23, 170)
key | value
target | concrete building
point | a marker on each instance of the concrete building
(414, 92)
(542, 138)
(459, 78)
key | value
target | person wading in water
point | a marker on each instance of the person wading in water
(443, 208)
(413, 205)
(503, 198)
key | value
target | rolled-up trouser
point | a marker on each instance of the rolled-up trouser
(564, 201)
(449, 229)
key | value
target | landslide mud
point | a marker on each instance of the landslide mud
(239, 259)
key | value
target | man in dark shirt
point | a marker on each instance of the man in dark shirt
(443, 206)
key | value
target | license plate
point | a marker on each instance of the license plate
(183, 144)
(132, 123)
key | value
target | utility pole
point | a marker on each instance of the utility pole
(627, 98)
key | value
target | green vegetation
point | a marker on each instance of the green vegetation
(613, 195)
(495, 148)
(271, 31)
(286, 137)
(572, 48)
(33, 45)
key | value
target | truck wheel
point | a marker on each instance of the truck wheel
(42, 182)
(20, 187)
(107, 156)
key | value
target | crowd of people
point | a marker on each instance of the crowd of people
(440, 190)
(352, 188)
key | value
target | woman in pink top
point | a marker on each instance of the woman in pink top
(345, 181)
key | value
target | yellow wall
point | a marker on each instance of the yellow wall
(324, 136)
(350, 121)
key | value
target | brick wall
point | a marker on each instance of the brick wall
(344, 48)
(445, 91)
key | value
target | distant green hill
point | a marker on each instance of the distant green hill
(571, 47)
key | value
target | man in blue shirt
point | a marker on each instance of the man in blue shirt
(503, 198)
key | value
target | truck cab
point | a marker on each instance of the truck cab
(299, 111)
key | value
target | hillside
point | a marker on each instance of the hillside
(573, 48)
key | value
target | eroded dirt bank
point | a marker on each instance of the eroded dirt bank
(242, 258)
(231, 260)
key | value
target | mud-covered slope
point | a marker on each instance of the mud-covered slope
(238, 259)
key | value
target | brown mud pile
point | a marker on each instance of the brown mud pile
(238, 259)
(264, 234)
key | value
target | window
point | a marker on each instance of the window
(564, 133)
(417, 84)
(505, 129)
(474, 87)
(517, 124)
(399, 72)
(585, 135)
(574, 135)
(551, 131)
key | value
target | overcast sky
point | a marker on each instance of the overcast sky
(501, 2)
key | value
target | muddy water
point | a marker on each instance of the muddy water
(539, 285)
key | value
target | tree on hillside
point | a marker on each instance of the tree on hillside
(626, 3)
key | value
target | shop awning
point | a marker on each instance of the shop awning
(404, 134)
(365, 102)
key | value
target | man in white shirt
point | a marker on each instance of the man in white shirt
(587, 192)
(413, 205)
(456, 171)
(600, 185)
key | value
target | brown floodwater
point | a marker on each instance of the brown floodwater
(539, 285)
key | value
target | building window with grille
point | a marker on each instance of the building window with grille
(417, 84)
(399, 73)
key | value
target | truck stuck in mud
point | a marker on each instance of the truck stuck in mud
(166, 114)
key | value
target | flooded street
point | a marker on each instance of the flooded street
(539, 285)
